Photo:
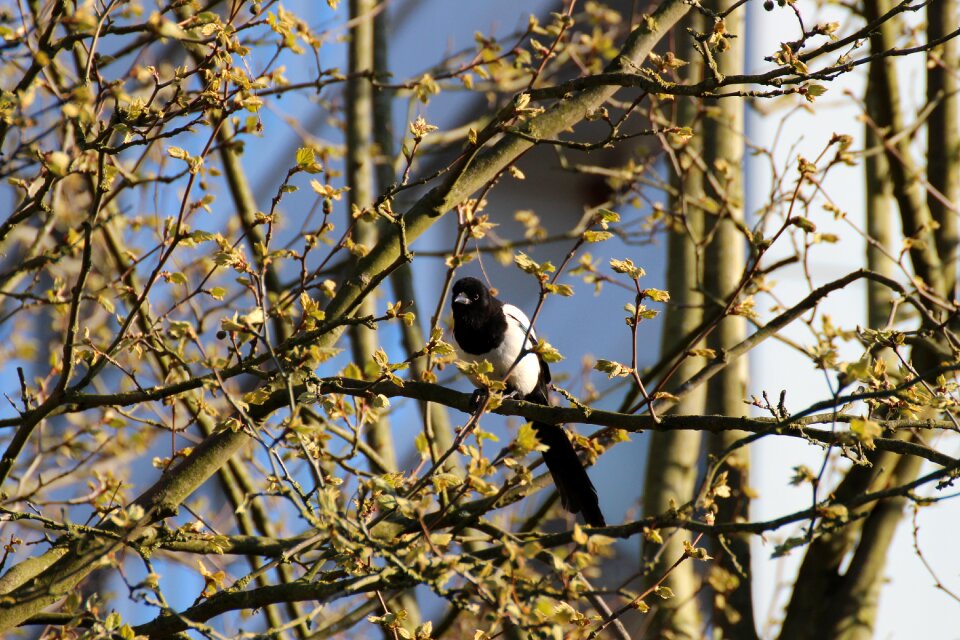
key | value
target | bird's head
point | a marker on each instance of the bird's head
(470, 295)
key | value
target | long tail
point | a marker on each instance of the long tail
(577, 493)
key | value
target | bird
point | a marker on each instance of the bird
(486, 328)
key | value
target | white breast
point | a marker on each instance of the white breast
(526, 373)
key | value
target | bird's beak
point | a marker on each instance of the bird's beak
(461, 298)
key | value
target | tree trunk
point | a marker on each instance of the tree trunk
(856, 601)
(943, 136)
(724, 266)
(673, 455)
(360, 151)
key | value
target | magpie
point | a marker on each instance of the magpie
(486, 328)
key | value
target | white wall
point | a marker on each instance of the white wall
(910, 606)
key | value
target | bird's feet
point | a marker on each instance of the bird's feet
(478, 398)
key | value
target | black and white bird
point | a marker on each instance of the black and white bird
(486, 328)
